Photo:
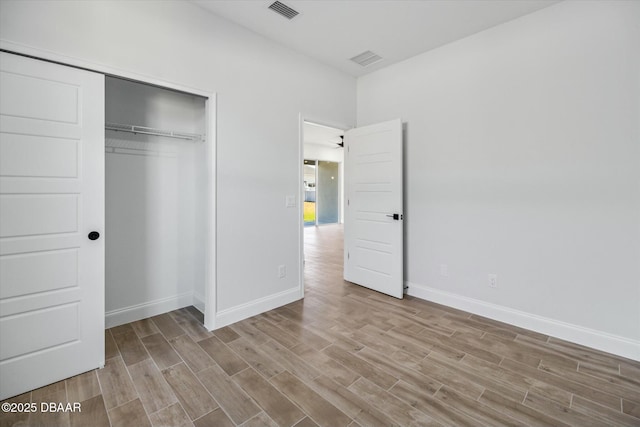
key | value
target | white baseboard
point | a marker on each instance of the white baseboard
(147, 309)
(252, 308)
(198, 302)
(603, 341)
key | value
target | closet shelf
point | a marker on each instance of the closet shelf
(153, 131)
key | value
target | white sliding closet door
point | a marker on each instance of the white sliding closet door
(51, 200)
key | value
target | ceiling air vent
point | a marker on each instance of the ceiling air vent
(366, 58)
(283, 9)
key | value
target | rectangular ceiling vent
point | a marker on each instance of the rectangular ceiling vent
(366, 58)
(283, 9)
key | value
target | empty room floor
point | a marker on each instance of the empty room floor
(345, 356)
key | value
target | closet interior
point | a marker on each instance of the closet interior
(156, 176)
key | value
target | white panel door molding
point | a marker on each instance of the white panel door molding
(51, 198)
(373, 219)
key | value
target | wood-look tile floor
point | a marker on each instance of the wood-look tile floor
(345, 356)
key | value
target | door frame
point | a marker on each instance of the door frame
(211, 311)
(302, 118)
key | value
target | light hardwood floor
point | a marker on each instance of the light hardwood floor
(345, 356)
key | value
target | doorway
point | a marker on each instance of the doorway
(322, 195)
(322, 170)
(373, 231)
(155, 180)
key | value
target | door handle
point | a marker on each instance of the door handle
(395, 216)
(94, 235)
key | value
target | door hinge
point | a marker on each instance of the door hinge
(348, 255)
(348, 202)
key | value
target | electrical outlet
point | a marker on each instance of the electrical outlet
(290, 201)
(282, 271)
(493, 280)
(444, 270)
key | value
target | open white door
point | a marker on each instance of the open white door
(51, 200)
(373, 218)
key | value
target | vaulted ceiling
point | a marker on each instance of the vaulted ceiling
(333, 31)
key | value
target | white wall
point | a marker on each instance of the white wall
(523, 160)
(155, 250)
(262, 88)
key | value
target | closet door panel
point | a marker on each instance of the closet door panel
(38, 97)
(38, 272)
(51, 197)
(56, 158)
(37, 214)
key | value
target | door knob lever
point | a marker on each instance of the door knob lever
(395, 216)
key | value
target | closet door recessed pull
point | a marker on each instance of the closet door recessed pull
(94, 235)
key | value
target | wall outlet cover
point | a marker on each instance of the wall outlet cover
(493, 280)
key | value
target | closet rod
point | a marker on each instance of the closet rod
(152, 131)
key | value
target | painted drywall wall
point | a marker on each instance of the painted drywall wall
(522, 154)
(155, 250)
(261, 90)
